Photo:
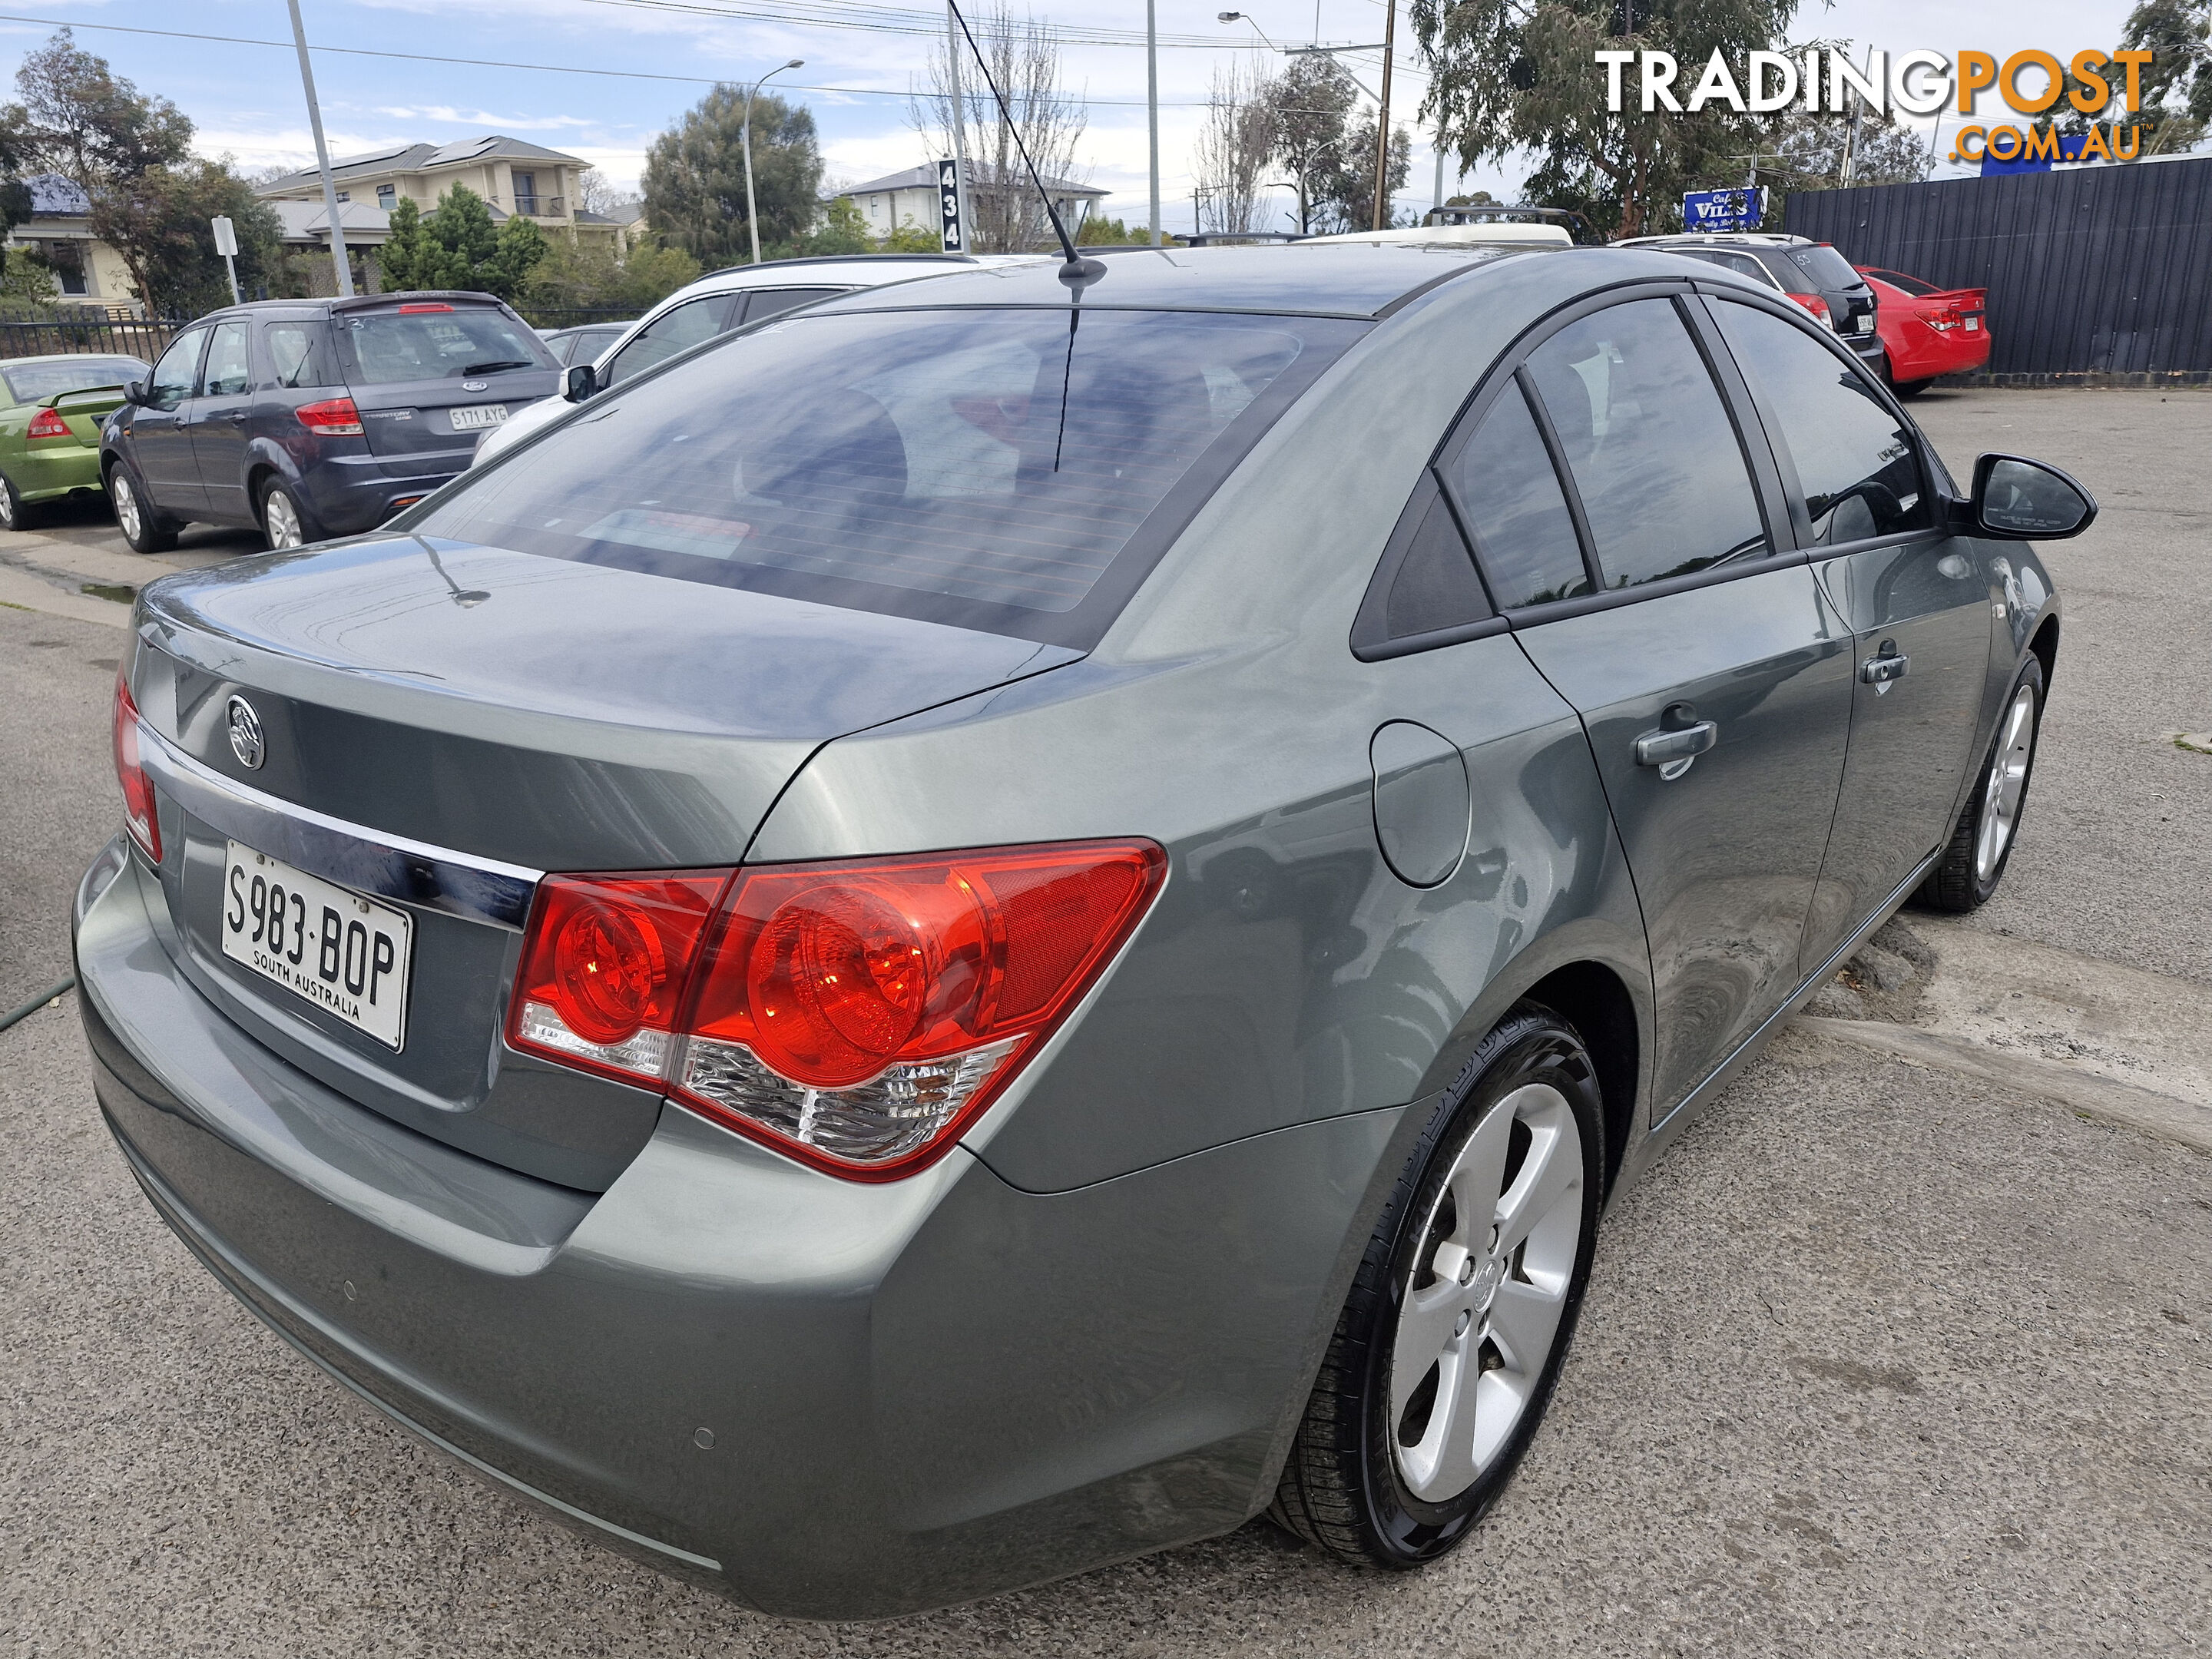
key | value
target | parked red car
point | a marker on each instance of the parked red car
(1928, 331)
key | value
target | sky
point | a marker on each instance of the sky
(649, 60)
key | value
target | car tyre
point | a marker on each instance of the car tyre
(15, 512)
(145, 528)
(1974, 861)
(285, 521)
(1401, 1451)
(1909, 390)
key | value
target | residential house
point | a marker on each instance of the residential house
(899, 199)
(59, 230)
(512, 175)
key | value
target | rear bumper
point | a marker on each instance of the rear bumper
(349, 494)
(55, 468)
(915, 1394)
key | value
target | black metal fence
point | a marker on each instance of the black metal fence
(2101, 274)
(89, 330)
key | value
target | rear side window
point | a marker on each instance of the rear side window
(392, 346)
(983, 468)
(1827, 268)
(1743, 263)
(230, 361)
(292, 360)
(675, 329)
(1855, 461)
(1653, 456)
(765, 302)
(1503, 479)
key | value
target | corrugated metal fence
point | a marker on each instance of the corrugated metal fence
(2094, 274)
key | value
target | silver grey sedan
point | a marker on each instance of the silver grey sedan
(1013, 921)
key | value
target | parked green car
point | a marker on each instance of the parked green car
(50, 410)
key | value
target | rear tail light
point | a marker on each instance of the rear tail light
(138, 814)
(334, 417)
(46, 424)
(855, 1016)
(1818, 307)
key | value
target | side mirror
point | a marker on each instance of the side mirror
(580, 383)
(2026, 501)
(133, 391)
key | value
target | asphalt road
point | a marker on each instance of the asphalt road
(1880, 1360)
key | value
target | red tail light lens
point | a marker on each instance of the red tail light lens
(1818, 307)
(46, 424)
(856, 1016)
(334, 417)
(139, 816)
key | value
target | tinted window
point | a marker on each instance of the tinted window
(673, 330)
(1649, 444)
(766, 302)
(229, 362)
(1827, 267)
(29, 382)
(1504, 480)
(1743, 263)
(292, 353)
(983, 468)
(1855, 462)
(392, 346)
(1912, 285)
(1434, 585)
(172, 380)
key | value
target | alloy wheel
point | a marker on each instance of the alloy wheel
(2006, 784)
(1482, 1303)
(282, 520)
(7, 505)
(127, 504)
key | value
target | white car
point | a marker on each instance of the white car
(1481, 224)
(725, 300)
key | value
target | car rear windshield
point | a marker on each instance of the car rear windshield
(445, 343)
(1912, 285)
(1014, 470)
(1827, 267)
(30, 382)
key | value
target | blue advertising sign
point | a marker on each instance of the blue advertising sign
(2070, 149)
(1724, 210)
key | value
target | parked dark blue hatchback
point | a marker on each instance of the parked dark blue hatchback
(316, 418)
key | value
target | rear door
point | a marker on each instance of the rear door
(160, 437)
(1665, 604)
(221, 415)
(429, 376)
(1862, 497)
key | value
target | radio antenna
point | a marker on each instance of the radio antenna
(1078, 272)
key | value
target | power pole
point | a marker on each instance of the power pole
(1152, 103)
(959, 129)
(322, 158)
(1383, 125)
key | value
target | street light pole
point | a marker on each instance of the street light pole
(746, 142)
(322, 158)
(1152, 105)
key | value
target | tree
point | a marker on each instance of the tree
(1806, 152)
(2176, 84)
(458, 245)
(694, 176)
(1508, 77)
(157, 223)
(1310, 103)
(1024, 56)
(1351, 205)
(82, 121)
(587, 273)
(596, 193)
(1235, 140)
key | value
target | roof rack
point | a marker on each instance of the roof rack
(843, 259)
(1235, 238)
(1484, 213)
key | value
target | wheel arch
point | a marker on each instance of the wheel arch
(1591, 997)
(2045, 648)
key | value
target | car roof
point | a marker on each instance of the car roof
(845, 271)
(1357, 279)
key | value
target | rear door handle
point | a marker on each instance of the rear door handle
(1672, 751)
(1880, 672)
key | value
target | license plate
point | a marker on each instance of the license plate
(474, 417)
(346, 954)
(1973, 323)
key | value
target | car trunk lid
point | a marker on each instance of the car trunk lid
(430, 373)
(82, 411)
(432, 715)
